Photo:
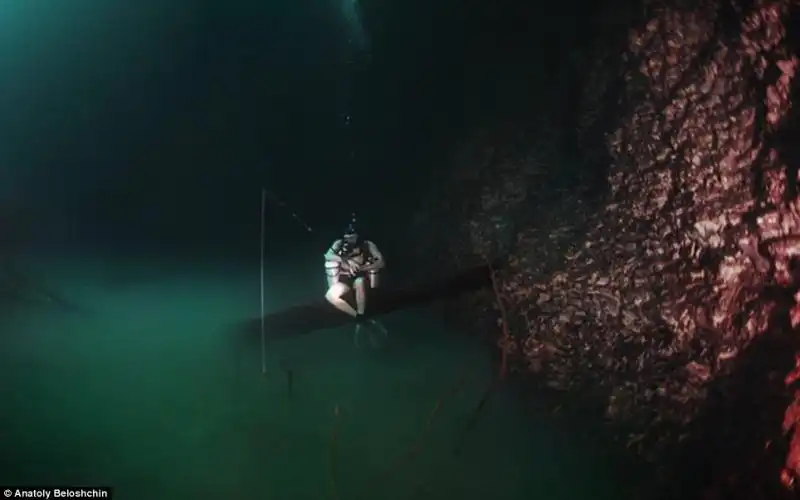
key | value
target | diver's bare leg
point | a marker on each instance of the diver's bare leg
(361, 306)
(334, 296)
(361, 295)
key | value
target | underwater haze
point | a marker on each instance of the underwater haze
(137, 137)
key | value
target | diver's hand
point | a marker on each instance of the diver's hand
(353, 267)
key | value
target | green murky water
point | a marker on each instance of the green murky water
(148, 391)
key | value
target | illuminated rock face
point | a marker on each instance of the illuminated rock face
(676, 305)
(694, 256)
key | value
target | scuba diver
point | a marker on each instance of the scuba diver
(353, 263)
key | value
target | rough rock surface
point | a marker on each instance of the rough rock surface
(675, 306)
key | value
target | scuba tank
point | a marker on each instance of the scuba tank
(374, 278)
(332, 272)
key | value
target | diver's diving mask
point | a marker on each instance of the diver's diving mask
(350, 238)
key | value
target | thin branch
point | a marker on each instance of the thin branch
(419, 444)
(503, 322)
(334, 487)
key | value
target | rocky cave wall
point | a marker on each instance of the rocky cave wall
(671, 305)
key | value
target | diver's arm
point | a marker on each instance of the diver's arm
(333, 252)
(378, 262)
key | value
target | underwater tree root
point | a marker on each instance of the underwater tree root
(473, 418)
(506, 336)
(502, 371)
(420, 443)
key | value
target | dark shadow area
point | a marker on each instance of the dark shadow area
(588, 142)
(579, 416)
(737, 436)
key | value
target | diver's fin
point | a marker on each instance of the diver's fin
(375, 329)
